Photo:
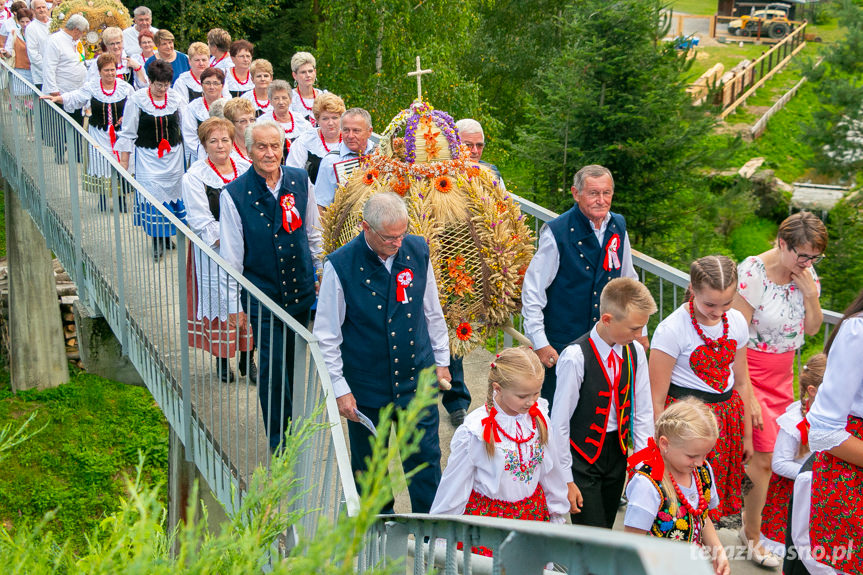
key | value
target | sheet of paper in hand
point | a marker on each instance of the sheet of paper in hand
(345, 168)
(367, 423)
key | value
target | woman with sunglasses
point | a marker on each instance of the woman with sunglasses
(778, 295)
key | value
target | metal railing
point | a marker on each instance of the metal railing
(86, 206)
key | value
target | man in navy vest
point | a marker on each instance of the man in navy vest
(380, 323)
(269, 230)
(578, 253)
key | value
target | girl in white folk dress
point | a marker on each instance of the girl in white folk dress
(501, 462)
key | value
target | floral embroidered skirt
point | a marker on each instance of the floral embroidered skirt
(726, 459)
(533, 508)
(836, 524)
(774, 516)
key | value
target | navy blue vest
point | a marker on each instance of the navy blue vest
(573, 296)
(277, 262)
(385, 343)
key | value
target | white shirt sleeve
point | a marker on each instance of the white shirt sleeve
(325, 186)
(9, 46)
(34, 50)
(297, 155)
(785, 454)
(458, 478)
(841, 389)
(231, 248)
(800, 515)
(435, 322)
(313, 230)
(643, 413)
(570, 374)
(643, 503)
(328, 327)
(199, 216)
(129, 130)
(554, 482)
(540, 273)
(190, 133)
(627, 270)
(76, 99)
(50, 61)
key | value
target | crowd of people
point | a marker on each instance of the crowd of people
(593, 410)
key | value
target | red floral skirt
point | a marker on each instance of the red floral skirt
(774, 517)
(836, 523)
(726, 459)
(220, 338)
(533, 508)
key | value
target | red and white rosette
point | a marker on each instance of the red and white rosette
(403, 280)
(291, 220)
(612, 259)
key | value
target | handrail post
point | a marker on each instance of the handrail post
(72, 160)
(119, 261)
(38, 132)
(182, 248)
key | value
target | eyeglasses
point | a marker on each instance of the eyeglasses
(212, 84)
(388, 239)
(803, 259)
(478, 145)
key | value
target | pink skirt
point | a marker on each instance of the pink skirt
(772, 376)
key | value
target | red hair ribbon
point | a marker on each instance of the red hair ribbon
(489, 426)
(535, 413)
(803, 427)
(652, 457)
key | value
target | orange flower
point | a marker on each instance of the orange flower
(464, 331)
(399, 185)
(370, 176)
(473, 171)
(443, 184)
(501, 207)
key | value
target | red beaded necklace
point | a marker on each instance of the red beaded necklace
(111, 93)
(242, 155)
(163, 106)
(213, 65)
(327, 148)
(702, 501)
(712, 343)
(276, 118)
(248, 76)
(261, 106)
(303, 101)
(221, 177)
(192, 74)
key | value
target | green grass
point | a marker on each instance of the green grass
(754, 236)
(702, 7)
(729, 55)
(94, 429)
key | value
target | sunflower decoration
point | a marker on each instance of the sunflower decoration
(478, 239)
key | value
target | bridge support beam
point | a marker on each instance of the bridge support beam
(38, 350)
(101, 352)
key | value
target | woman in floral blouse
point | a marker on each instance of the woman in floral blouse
(778, 293)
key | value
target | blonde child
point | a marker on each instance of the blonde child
(602, 403)
(699, 350)
(672, 485)
(789, 454)
(502, 462)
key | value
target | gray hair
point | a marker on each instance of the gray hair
(357, 112)
(469, 126)
(77, 22)
(142, 11)
(217, 108)
(111, 32)
(278, 86)
(383, 209)
(592, 171)
(260, 124)
(301, 59)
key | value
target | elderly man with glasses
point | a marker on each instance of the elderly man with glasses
(471, 135)
(379, 324)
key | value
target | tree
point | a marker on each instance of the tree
(615, 95)
(841, 271)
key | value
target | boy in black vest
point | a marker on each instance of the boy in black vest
(602, 403)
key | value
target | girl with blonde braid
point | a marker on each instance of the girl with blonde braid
(502, 460)
(672, 487)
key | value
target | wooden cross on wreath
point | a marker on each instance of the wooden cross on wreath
(419, 74)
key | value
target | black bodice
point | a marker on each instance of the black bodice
(99, 113)
(152, 129)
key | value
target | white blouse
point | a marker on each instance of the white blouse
(198, 214)
(785, 460)
(505, 476)
(302, 107)
(644, 500)
(234, 84)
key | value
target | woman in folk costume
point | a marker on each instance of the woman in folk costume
(294, 125)
(309, 149)
(188, 84)
(699, 350)
(198, 110)
(128, 69)
(262, 76)
(238, 80)
(790, 452)
(836, 431)
(210, 326)
(241, 113)
(106, 97)
(671, 487)
(303, 97)
(151, 129)
(501, 462)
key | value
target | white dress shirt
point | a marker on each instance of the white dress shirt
(841, 392)
(785, 459)
(326, 184)
(130, 40)
(63, 70)
(800, 515)
(232, 242)
(331, 315)
(469, 467)
(570, 374)
(36, 35)
(542, 271)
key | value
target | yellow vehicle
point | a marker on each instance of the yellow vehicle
(772, 21)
